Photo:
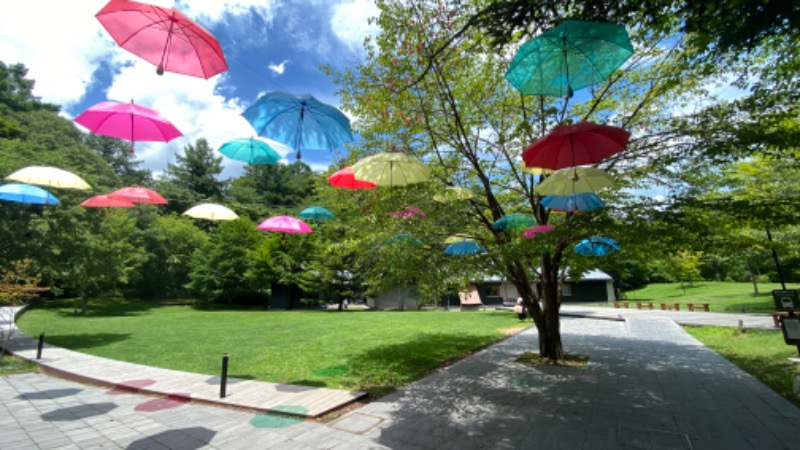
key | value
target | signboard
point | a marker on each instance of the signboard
(786, 299)
(791, 330)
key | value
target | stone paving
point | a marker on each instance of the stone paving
(648, 385)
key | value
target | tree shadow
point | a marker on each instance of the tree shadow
(113, 307)
(185, 438)
(79, 412)
(85, 341)
(49, 394)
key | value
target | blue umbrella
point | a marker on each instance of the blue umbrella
(299, 121)
(515, 221)
(464, 248)
(25, 193)
(317, 213)
(585, 201)
(596, 246)
(251, 150)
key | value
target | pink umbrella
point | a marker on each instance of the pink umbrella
(138, 194)
(285, 224)
(128, 121)
(531, 232)
(409, 212)
(346, 179)
(104, 201)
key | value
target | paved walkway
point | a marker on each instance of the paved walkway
(763, 321)
(648, 385)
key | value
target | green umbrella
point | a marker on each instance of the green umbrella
(317, 213)
(568, 57)
(515, 221)
(254, 150)
(391, 169)
(575, 180)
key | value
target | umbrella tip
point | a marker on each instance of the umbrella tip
(299, 155)
(160, 69)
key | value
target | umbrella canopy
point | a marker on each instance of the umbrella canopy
(127, 121)
(49, 176)
(299, 121)
(253, 150)
(210, 211)
(138, 194)
(345, 178)
(568, 57)
(459, 238)
(575, 145)
(391, 169)
(515, 221)
(453, 193)
(25, 193)
(317, 213)
(404, 238)
(409, 212)
(585, 201)
(575, 181)
(531, 232)
(464, 248)
(285, 224)
(596, 246)
(163, 37)
(104, 201)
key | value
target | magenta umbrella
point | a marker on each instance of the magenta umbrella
(128, 121)
(531, 232)
(285, 224)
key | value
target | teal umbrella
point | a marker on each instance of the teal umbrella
(317, 213)
(515, 221)
(568, 57)
(253, 150)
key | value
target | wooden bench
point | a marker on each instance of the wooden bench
(617, 304)
(640, 305)
(675, 306)
(776, 317)
(698, 306)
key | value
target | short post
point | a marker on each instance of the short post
(223, 381)
(39, 348)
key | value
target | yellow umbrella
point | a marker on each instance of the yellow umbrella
(575, 180)
(210, 211)
(49, 176)
(460, 237)
(391, 169)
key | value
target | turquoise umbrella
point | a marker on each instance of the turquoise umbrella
(596, 246)
(253, 150)
(515, 221)
(317, 213)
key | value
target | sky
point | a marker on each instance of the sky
(270, 45)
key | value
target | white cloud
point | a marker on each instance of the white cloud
(350, 22)
(278, 68)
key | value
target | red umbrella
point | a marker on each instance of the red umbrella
(346, 179)
(575, 145)
(104, 201)
(128, 121)
(138, 194)
(164, 37)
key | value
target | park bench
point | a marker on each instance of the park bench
(618, 304)
(697, 306)
(776, 317)
(675, 306)
(641, 305)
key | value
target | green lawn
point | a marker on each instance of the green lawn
(721, 296)
(374, 351)
(762, 353)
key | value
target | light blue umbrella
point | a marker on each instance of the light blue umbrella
(464, 248)
(317, 213)
(596, 246)
(25, 193)
(515, 221)
(584, 201)
(299, 121)
(251, 150)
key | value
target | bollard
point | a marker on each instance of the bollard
(224, 378)
(39, 348)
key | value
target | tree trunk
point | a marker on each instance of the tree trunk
(715, 266)
(753, 277)
(545, 315)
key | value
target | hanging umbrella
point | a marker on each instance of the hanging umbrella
(299, 121)
(163, 37)
(138, 194)
(409, 212)
(596, 246)
(285, 224)
(575, 145)
(585, 201)
(568, 57)
(346, 179)
(391, 169)
(210, 211)
(531, 232)
(254, 150)
(459, 238)
(515, 221)
(127, 121)
(464, 248)
(453, 193)
(575, 181)
(25, 193)
(317, 213)
(404, 238)
(50, 177)
(104, 201)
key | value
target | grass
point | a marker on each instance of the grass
(761, 353)
(374, 351)
(721, 296)
(10, 365)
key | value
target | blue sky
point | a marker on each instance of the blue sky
(270, 45)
